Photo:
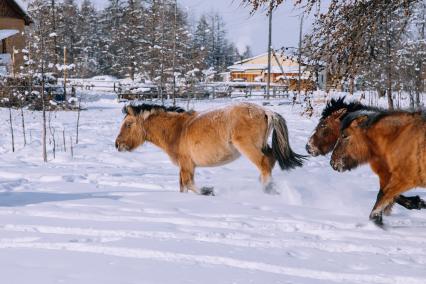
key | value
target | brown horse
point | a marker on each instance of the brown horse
(212, 138)
(327, 132)
(393, 143)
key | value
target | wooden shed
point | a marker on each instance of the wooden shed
(284, 70)
(13, 19)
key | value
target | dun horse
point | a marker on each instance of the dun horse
(202, 139)
(393, 143)
(327, 132)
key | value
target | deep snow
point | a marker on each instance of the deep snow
(109, 217)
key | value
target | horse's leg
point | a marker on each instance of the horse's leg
(411, 202)
(384, 179)
(263, 160)
(386, 196)
(186, 179)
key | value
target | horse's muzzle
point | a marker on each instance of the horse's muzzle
(337, 166)
(121, 147)
(311, 151)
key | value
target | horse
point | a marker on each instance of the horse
(326, 133)
(393, 143)
(211, 138)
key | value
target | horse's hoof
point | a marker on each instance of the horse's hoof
(377, 219)
(270, 189)
(208, 191)
(421, 204)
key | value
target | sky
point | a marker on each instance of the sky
(246, 29)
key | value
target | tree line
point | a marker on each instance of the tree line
(152, 39)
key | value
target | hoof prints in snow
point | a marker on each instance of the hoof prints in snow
(125, 211)
(216, 260)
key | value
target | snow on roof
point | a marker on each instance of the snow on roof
(251, 58)
(21, 8)
(281, 56)
(21, 5)
(7, 33)
(264, 67)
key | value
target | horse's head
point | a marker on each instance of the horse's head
(351, 148)
(132, 133)
(325, 135)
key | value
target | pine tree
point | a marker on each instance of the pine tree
(68, 36)
(110, 22)
(87, 28)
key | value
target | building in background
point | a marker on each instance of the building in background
(284, 70)
(13, 19)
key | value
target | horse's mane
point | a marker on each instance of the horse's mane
(373, 117)
(338, 104)
(141, 108)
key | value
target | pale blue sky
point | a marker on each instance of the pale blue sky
(245, 29)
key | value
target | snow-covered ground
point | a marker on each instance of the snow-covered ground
(109, 217)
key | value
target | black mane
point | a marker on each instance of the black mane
(374, 116)
(140, 108)
(338, 104)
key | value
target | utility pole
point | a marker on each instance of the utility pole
(55, 40)
(300, 56)
(268, 86)
(65, 72)
(174, 55)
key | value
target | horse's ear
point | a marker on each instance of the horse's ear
(130, 111)
(359, 121)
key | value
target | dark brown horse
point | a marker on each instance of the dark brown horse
(212, 138)
(326, 133)
(393, 143)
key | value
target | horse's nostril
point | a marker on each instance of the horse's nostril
(308, 149)
(116, 144)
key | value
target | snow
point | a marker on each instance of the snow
(7, 33)
(109, 217)
(274, 69)
(5, 59)
(22, 6)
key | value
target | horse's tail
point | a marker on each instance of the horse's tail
(281, 150)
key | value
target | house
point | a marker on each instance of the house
(284, 70)
(13, 19)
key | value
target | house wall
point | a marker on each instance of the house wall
(247, 76)
(10, 20)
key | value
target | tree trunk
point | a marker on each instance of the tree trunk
(389, 67)
(23, 125)
(78, 120)
(10, 120)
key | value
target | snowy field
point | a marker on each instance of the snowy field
(106, 217)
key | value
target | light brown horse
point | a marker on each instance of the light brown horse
(212, 138)
(393, 143)
(326, 133)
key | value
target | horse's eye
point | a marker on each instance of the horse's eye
(128, 125)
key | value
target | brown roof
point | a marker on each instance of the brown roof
(18, 7)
